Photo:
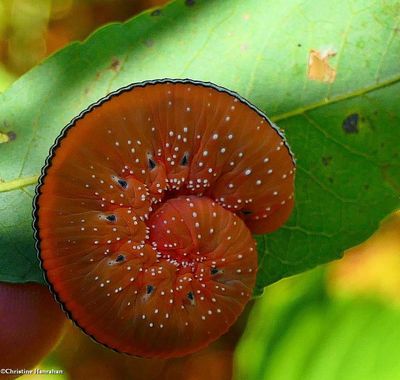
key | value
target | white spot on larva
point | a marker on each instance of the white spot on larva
(215, 136)
(247, 172)
(258, 182)
(205, 153)
(230, 136)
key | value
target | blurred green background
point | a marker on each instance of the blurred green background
(340, 321)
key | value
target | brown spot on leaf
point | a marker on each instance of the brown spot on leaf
(319, 68)
(326, 160)
(350, 124)
(6, 137)
(115, 64)
(156, 12)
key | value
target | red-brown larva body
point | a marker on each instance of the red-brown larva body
(142, 214)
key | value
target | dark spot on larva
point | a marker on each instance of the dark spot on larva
(366, 186)
(190, 296)
(214, 271)
(350, 124)
(382, 144)
(115, 64)
(326, 160)
(246, 212)
(120, 258)
(185, 159)
(122, 183)
(156, 12)
(189, 3)
(299, 45)
(330, 179)
(111, 218)
(149, 289)
(151, 162)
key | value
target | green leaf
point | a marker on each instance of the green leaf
(311, 336)
(346, 182)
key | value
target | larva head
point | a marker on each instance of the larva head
(145, 211)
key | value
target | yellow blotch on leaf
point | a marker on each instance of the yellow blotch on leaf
(319, 68)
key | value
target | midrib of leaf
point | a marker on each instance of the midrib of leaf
(22, 182)
(18, 183)
(336, 99)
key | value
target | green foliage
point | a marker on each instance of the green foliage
(346, 182)
(6, 78)
(296, 331)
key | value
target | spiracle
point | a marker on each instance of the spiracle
(145, 210)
